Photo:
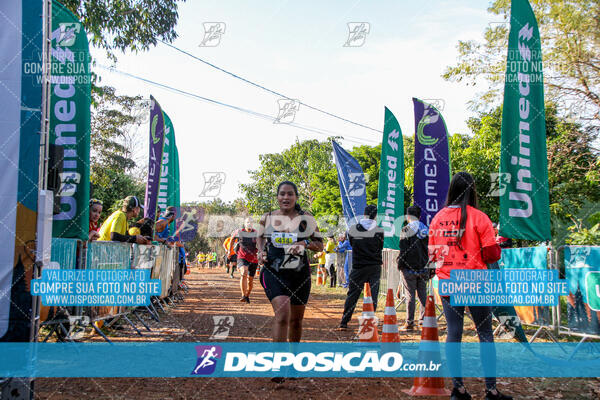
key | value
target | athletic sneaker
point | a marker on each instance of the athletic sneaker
(243, 299)
(342, 327)
(457, 395)
(497, 396)
(247, 299)
(407, 327)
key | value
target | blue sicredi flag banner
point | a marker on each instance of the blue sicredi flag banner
(352, 184)
(432, 160)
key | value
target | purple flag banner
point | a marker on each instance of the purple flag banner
(157, 139)
(432, 160)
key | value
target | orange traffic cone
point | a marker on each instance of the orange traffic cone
(390, 332)
(367, 330)
(429, 351)
(319, 276)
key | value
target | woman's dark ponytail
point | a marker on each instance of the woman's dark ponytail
(462, 192)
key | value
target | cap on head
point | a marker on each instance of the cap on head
(131, 202)
(170, 211)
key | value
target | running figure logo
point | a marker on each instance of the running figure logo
(68, 183)
(187, 224)
(67, 33)
(287, 111)
(508, 326)
(357, 185)
(207, 359)
(223, 323)
(357, 34)
(367, 327)
(499, 182)
(212, 34)
(213, 181)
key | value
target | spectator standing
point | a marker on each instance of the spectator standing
(366, 239)
(330, 261)
(412, 262)
(462, 237)
(95, 211)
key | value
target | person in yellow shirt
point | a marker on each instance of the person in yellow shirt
(321, 267)
(115, 226)
(330, 261)
(229, 246)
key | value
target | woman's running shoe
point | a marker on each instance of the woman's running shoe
(458, 395)
(496, 396)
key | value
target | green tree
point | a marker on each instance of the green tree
(570, 35)
(123, 25)
(586, 228)
(133, 25)
(206, 240)
(111, 186)
(573, 172)
(301, 164)
(113, 119)
(112, 168)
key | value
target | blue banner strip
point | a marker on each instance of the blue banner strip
(220, 359)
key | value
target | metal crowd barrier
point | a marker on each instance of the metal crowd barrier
(582, 271)
(340, 259)
(64, 254)
(539, 257)
(390, 275)
(579, 265)
(75, 254)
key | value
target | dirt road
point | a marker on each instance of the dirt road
(213, 293)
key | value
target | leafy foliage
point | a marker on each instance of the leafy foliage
(301, 164)
(114, 122)
(570, 36)
(204, 242)
(573, 169)
(132, 25)
(585, 236)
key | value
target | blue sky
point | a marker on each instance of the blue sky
(296, 48)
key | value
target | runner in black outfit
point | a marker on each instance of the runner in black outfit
(287, 233)
(366, 239)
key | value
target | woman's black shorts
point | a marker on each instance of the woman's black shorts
(232, 258)
(295, 285)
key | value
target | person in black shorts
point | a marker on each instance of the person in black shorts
(229, 245)
(246, 258)
(287, 233)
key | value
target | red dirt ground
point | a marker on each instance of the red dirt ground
(213, 293)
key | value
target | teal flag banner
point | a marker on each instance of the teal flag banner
(524, 205)
(390, 198)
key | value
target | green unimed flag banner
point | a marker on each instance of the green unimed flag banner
(70, 101)
(390, 199)
(524, 209)
(168, 193)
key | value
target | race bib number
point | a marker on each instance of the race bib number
(283, 239)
